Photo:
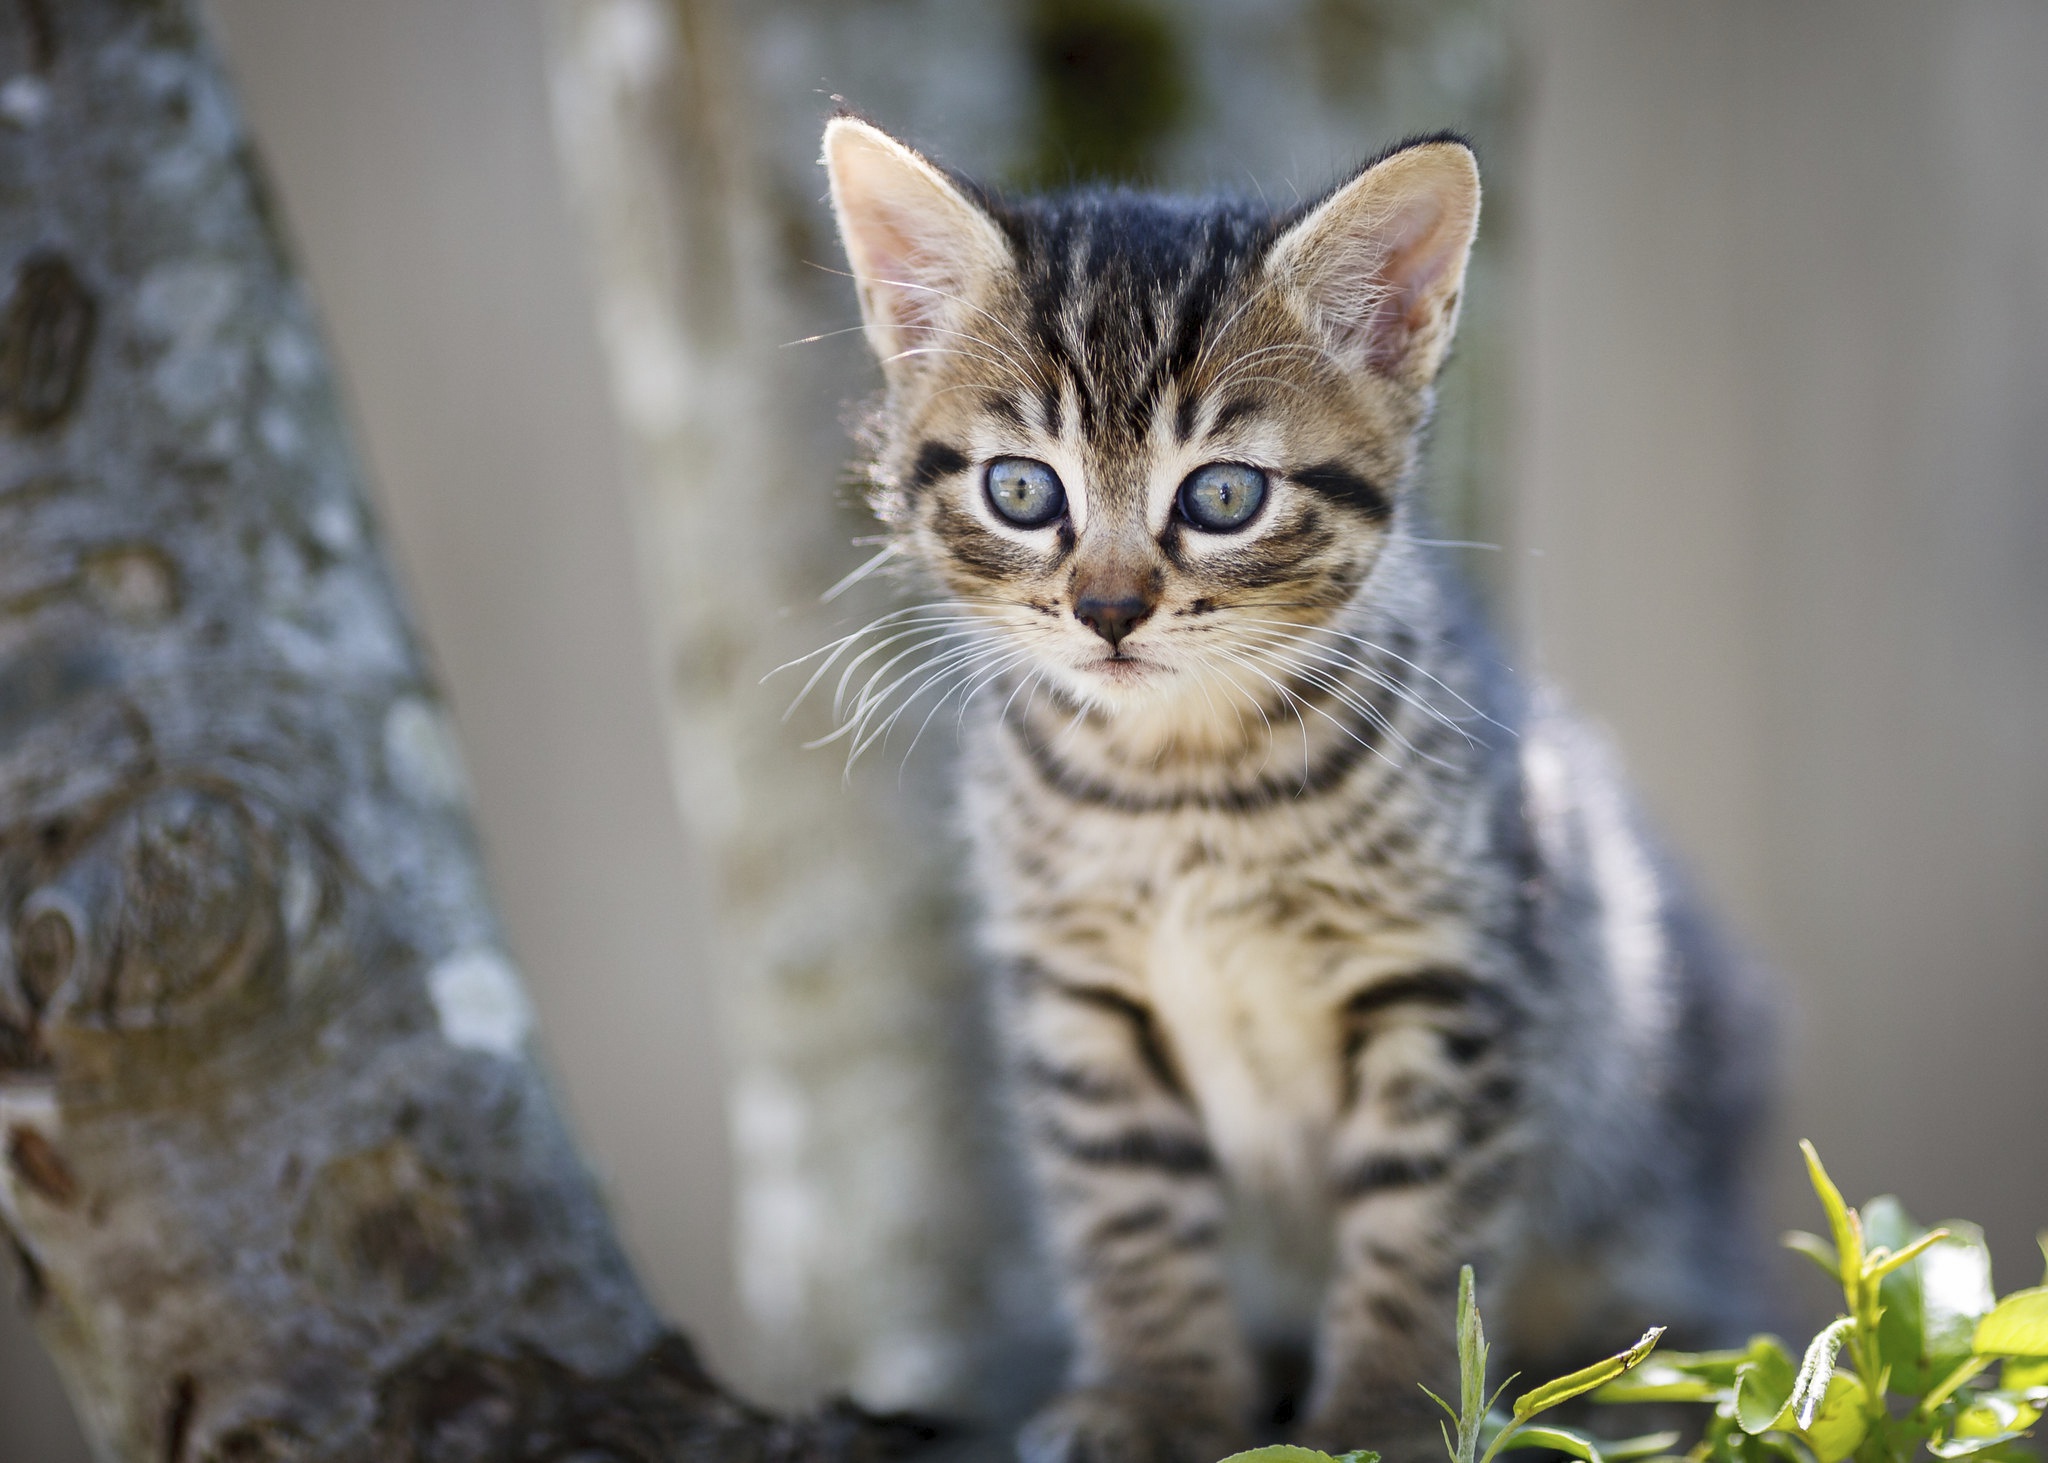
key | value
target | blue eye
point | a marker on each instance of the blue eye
(1223, 496)
(1025, 491)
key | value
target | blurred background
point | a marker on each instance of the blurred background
(1751, 402)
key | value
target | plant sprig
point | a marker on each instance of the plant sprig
(1902, 1372)
(1477, 1421)
(1906, 1370)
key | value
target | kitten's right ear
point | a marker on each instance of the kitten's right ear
(1377, 267)
(920, 249)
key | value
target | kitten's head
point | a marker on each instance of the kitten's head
(1143, 436)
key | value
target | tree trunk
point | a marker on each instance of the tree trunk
(280, 1175)
(879, 1246)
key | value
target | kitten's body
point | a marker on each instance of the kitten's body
(1316, 936)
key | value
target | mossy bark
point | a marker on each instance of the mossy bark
(279, 1173)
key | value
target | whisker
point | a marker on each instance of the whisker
(1347, 697)
(901, 284)
(966, 691)
(1379, 649)
(1290, 701)
(870, 703)
(1350, 732)
(1267, 743)
(1216, 336)
(1295, 386)
(881, 620)
(846, 643)
(1031, 680)
(929, 642)
(821, 335)
(1331, 656)
(847, 581)
(956, 663)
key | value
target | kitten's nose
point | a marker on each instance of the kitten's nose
(1112, 619)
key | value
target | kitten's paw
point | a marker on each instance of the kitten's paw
(1104, 1425)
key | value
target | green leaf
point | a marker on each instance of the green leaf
(2041, 1239)
(1586, 1378)
(1816, 1368)
(1841, 1221)
(1585, 1446)
(2024, 1373)
(1990, 1413)
(1932, 1300)
(1839, 1423)
(1815, 1249)
(1964, 1447)
(1987, 1451)
(1286, 1453)
(1901, 1329)
(1763, 1391)
(1471, 1368)
(1656, 1380)
(1563, 1439)
(1887, 1225)
(1359, 1455)
(1717, 1367)
(2017, 1326)
(1942, 1390)
(1877, 1268)
(1788, 1447)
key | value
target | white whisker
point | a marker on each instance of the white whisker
(1331, 656)
(847, 581)
(1379, 649)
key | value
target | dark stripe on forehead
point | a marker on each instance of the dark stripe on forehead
(1341, 485)
(1049, 401)
(1235, 410)
(1121, 289)
(1002, 404)
(935, 460)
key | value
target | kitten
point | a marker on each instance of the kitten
(1330, 958)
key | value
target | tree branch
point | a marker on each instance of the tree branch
(279, 1171)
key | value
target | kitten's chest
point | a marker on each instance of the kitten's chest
(1245, 953)
(1246, 1008)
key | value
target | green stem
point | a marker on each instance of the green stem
(1500, 1441)
(1868, 1356)
(1950, 1383)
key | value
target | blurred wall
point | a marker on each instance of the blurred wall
(1780, 518)
(1783, 523)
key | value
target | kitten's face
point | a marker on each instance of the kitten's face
(1147, 439)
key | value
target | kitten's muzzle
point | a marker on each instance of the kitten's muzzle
(1113, 619)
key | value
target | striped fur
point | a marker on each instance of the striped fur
(1330, 959)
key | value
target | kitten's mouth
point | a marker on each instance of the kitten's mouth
(1121, 668)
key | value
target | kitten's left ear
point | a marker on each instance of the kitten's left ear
(1377, 267)
(920, 248)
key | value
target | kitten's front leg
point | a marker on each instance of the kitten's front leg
(1133, 1209)
(1427, 1170)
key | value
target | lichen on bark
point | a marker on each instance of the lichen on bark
(278, 1170)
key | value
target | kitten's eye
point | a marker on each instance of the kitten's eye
(1222, 496)
(1025, 491)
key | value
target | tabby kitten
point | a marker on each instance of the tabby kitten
(1330, 958)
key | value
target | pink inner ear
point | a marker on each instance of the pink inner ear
(905, 282)
(1395, 269)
